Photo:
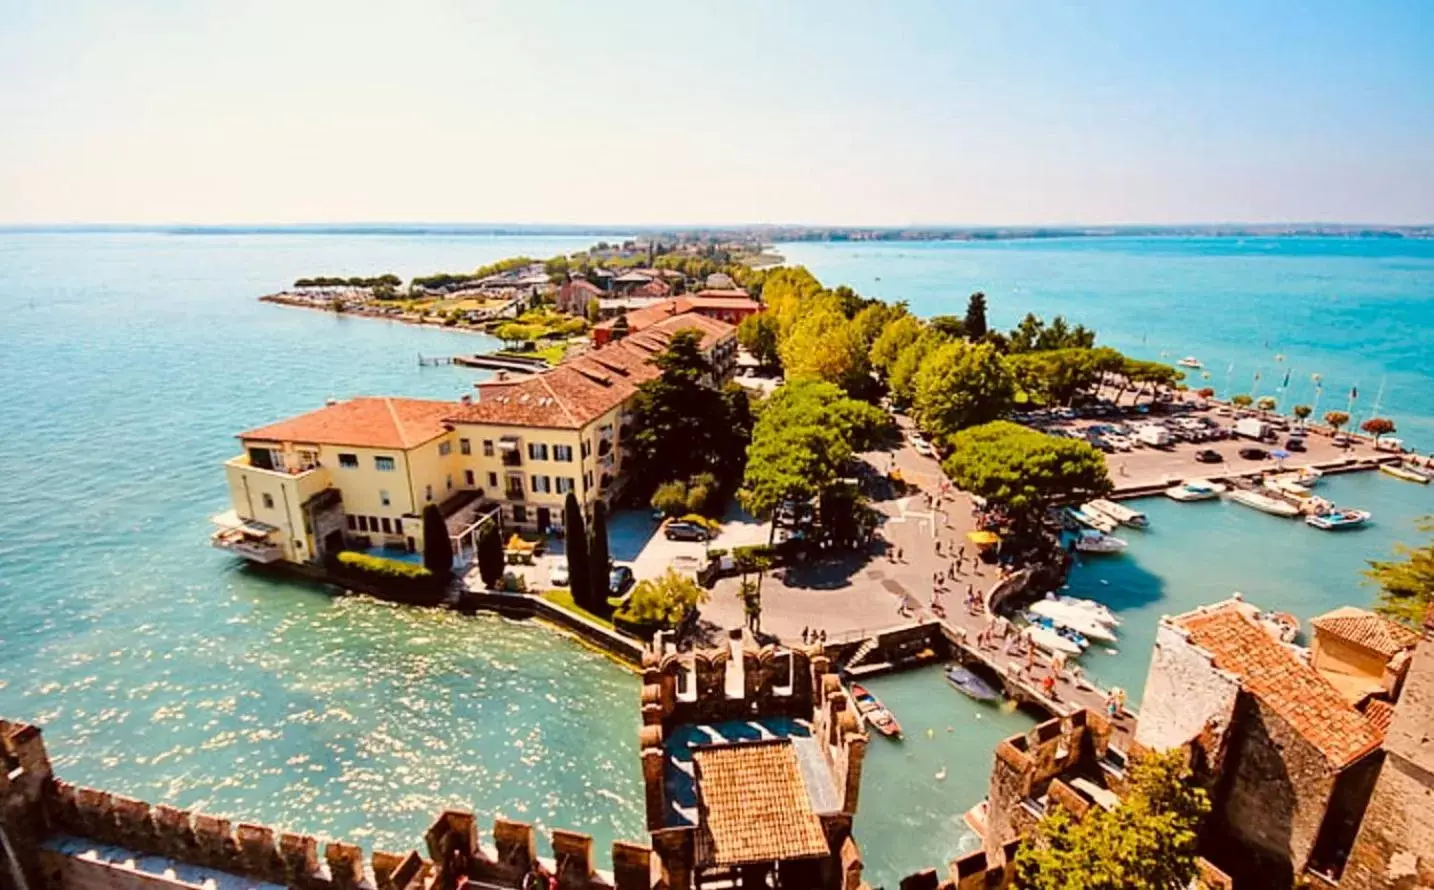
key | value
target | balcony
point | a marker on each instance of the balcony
(512, 459)
(247, 538)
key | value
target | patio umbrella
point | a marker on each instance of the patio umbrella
(1279, 454)
(983, 538)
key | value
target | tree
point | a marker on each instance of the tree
(580, 580)
(896, 336)
(758, 334)
(1206, 392)
(824, 344)
(1336, 419)
(663, 601)
(975, 325)
(1242, 400)
(437, 546)
(598, 557)
(1025, 471)
(1148, 842)
(751, 598)
(490, 556)
(902, 375)
(873, 319)
(952, 327)
(1406, 585)
(1378, 426)
(1265, 403)
(1303, 412)
(670, 498)
(594, 310)
(1056, 376)
(960, 385)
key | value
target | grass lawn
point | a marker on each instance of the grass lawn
(564, 599)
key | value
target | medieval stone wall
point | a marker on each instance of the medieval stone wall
(1185, 694)
(1395, 847)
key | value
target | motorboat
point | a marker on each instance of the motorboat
(869, 707)
(971, 684)
(1119, 512)
(1264, 503)
(1405, 472)
(1098, 521)
(1307, 476)
(1074, 636)
(1051, 641)
(1195, 490)
(1099, 611)
(1077, 619)
(1287, 485)
(1339, 519)
(1190, 361)
(1091, 541)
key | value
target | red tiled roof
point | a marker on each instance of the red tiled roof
(672, 316)
(1292, 689)
(735, 293)
(584, 285)
(1380, 714)
(1366, 629)
(754, 805)
(365, 422)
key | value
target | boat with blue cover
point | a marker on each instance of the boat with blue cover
(971, 684)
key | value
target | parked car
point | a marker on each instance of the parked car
(619, 580)
(1254, 453)
(1209, 456)
(558, 576)
(685, 531)
(1294, 444)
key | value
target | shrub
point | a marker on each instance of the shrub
(711, 525)
(661, 602)
(670, 498)
(380, 567)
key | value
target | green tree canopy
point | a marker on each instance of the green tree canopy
(962, 384)
(874, 318)
(1057, 376)
(898, 334)
(975, 325)
(824, 344)
(662, 601)
(1266, 403)
(598, 558)
(437, 546)
(1023, 470)
(1303, 411)
(1242, 400)
(758, 334)
(1378, 426)
(1034, 335)
(901, 378)
(1148, 842)
(1336, 419)
(587, 592)
(1406, 585)
(490, 556)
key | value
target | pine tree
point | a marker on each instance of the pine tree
(598, 556)
(579, 569)
(490, 557)
(437, 546)
(975, 326)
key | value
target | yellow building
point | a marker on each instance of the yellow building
(1361, 653)
(358, 474)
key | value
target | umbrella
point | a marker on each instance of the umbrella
(1279, 454)
(983, 537)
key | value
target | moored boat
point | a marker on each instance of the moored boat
(1407, 473)
(972, 685)
(1190, 361)
(1099, 611)
(1051, 641)
(1264, 503)
(1195, 490)
(1098, 521)
(1119, 512)
(870, 707)
(1339, 519)
(1091, 541)
(1076, 619)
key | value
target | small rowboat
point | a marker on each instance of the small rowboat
(971, 684)
(869, 707)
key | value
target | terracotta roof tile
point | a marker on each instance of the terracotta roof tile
(727, 294)
(1292, 689)
(754, 806)
(364, 422)
(1365, 628)
(1380, 714)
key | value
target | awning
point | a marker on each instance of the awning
(230, 519)
(508, 443)
(983, 538)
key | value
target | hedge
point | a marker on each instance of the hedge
(383, 568)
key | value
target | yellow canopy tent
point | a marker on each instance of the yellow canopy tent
(983, 538)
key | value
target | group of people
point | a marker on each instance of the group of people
(812, 635)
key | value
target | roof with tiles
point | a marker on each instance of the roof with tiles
(1364, 628)
(364, 422)
(1380, 714)
(680, 307)
(1293, 690)
(754, 805)
(567, 397)
(711, 329)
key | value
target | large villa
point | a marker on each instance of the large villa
(357, 474)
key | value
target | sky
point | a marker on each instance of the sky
(826, 113)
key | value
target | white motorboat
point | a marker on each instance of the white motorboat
(1195, 490)
(1405, 472)
(1264, 503)
(1077, 619)
(1119, 512)
(1336, 520)
(1190, 361)
(1098, 521)
(1288, 485)
(1098, 611)
(1051, 641)
(1091, 541)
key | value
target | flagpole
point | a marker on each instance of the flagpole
(1378, 397)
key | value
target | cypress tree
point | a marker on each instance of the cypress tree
(490, 557)
(576, 535)
(437, 546)
(976, 317)
(598, 556)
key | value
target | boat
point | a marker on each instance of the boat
(1287, 485)
(971, 684)
(1099, 611)
(1051, 641)
(1091, 541)
(1407, 473)
(869, 707)
(1195, 490)
(1339, 519)
(1119, 512)
(1190, 361)
(1078, 620)
(1064, 630)
(1264, 503)
(1098, 521)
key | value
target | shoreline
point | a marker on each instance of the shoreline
(281, 299)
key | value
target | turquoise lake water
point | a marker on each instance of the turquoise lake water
(162, 669)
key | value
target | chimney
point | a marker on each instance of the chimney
(500, 376)
(331, 401)
(466, 399)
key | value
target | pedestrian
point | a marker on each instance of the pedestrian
(938, 546)
(1048, 686)
(806, 632)
(898, 555)
(961, 554)
(824, 636)
(1030, 659)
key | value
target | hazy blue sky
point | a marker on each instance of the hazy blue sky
(778, 111)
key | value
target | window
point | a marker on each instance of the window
(537, 451)
(353, 522)
(465, 446)
(348, 461)
(428, 492)
(467, 477)
(448, 481)
(487, 447)
(387, 526)
(520, 513)
(542, 485)
(445, 448)
(587, 448)
(383, 497)
(563, 452)
(373, 523)
(268, 501)
(492, 480)
(587, 481)
(565, 484)
(363, 523)
(397, 526)
(308, 460)
(383, 464)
